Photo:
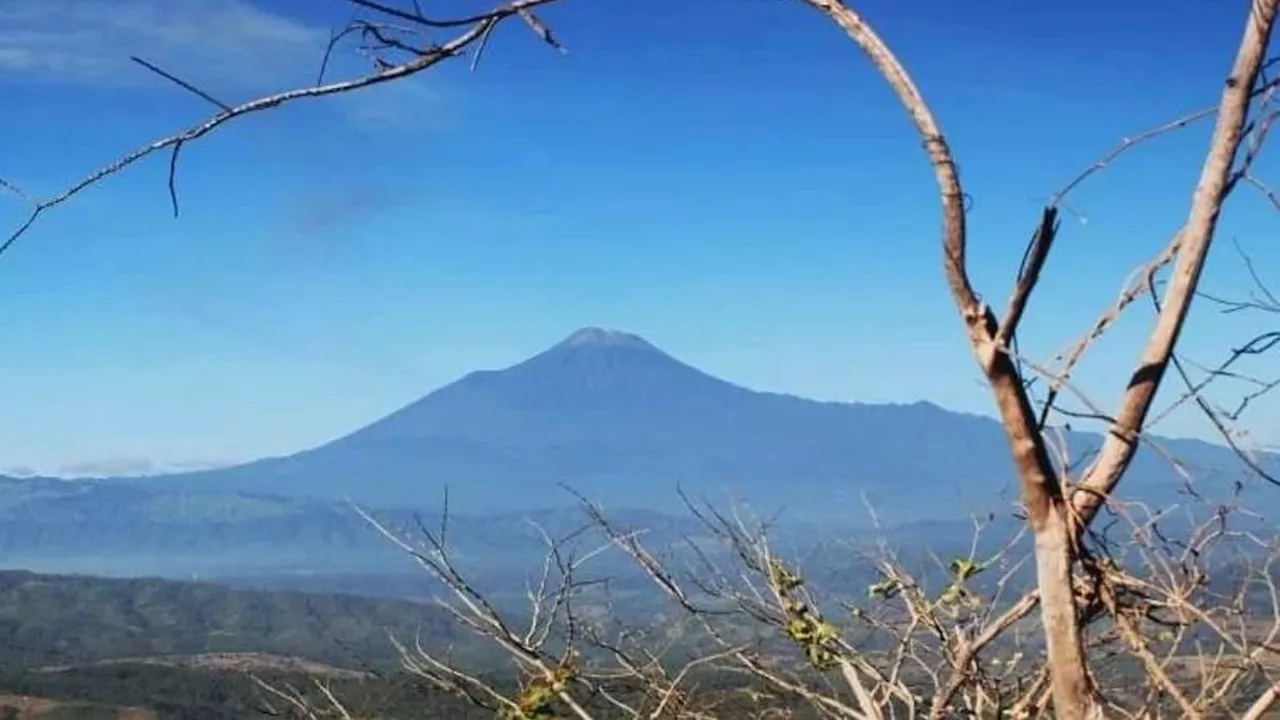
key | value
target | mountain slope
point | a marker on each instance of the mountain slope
(615, 418)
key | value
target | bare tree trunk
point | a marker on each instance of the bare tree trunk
(1041, 488)
(1073, 693)
(1051, 516)
(1196, 238)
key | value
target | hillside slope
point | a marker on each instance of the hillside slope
(51, 620)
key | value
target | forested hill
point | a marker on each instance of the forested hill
(48, 620)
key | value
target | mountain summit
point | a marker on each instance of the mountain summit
(607, 371)
(615, 418)
(605, 337)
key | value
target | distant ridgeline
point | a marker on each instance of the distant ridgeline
(604, 413)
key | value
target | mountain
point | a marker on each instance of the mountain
(603, 412)
(622, 422)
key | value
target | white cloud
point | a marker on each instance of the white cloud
(229, 48)
(224, 42)
(125, 466)
(113, 466)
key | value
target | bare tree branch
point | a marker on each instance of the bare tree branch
(1196, 238)
(478, 26)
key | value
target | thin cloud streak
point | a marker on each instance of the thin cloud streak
(231, 49)
(229, 42)
(133, 467)
(325, 209)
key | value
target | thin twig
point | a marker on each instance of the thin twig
(181, 83)
(479, 26)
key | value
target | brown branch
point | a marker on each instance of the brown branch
(1014, 614)
(1041, 489)
(181, 83)
(173, 176)
(1120, 445)
(1037, 254)
(1195, 390)
(379, 33)
(479, 26)
(417, 17)
(1128, 144)
(1263, 188)
(1138, 287)
(1134, 289)
(15, 190)
(1264, 702)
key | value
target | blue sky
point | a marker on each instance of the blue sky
(727, 178)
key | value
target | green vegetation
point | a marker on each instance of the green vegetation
(56, 620)
(184, 693)
(84, 647)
